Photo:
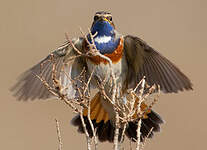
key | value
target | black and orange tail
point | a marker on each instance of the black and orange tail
(104, 128)
(149, 125)
(100, 120)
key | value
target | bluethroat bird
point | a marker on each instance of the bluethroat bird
(131, 58)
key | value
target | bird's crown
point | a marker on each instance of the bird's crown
(103, 16)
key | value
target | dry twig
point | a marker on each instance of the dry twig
(138, 144)
(124, 111)
(59, 135)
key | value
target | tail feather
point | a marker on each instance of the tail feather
(104, 132)
(97, 112)
(131, 131)
(151, 123)
(145, 131)
(104, 129)
(155, 117)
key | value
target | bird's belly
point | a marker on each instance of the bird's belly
(102, 72)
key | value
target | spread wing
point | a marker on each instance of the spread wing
(143, 60)
(29, 85)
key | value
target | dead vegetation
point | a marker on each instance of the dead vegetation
(78, 104)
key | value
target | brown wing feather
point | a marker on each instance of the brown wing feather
(143, 60)
(29, 86)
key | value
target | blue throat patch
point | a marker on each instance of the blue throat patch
(105, 31)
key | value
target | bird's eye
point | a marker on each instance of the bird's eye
(109, 18)
(95, 18)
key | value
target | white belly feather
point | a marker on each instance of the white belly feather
(102, 71)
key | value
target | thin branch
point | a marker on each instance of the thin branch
(124, 111)
(123, 132)
(140, 82)
(59, 135)
(146, 138)
(116, 132)
(68, 39)
(89, 113)
(138, 143)
(85, 131)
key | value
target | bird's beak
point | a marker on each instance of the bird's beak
(104, 19)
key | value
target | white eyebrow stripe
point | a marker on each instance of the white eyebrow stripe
(102, 39)
(105, 15)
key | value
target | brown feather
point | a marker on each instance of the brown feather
(29, 86)
(145, 61)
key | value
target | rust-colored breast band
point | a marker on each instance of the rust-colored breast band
(115, 56)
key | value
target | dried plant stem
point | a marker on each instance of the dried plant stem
(124, 112)
(85, 131)
(145, 140)
(116, 132)
(123, 132)
(138, 143)
(89, 112)
(68, 39)
(92, 128)
(59, 135)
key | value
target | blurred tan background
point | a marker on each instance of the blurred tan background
(30, 29)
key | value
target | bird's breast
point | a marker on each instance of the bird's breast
(115, 56)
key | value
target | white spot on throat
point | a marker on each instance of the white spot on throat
(102, 39)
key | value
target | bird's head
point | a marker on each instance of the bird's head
(104, 34)
(103, 24)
